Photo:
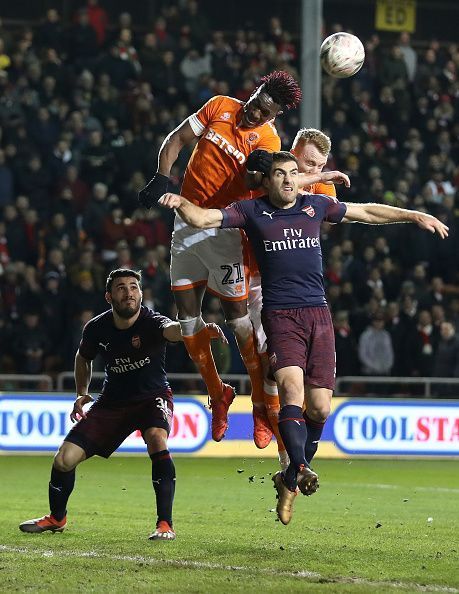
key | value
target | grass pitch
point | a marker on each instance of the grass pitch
(373, 526)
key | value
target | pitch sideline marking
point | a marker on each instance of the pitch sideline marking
(311, 575)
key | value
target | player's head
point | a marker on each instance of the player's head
(123, 290)
(311, 147)
(282, 182)
(277, 91)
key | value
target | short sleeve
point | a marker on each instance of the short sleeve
(157, 323)
(234, 215)
(88, 344)
(335, 210)
(326, 189)
(202, 118)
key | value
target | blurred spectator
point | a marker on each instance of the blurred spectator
(82, 41)
(30, 344)
(410, 56)
(6, 182)
(426, 339)
(446, 362)
(375, 350)
(346, 346)
(98, 19)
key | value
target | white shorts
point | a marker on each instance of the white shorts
(212, 257)
(254, 304)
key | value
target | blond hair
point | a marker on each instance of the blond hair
(318, 138)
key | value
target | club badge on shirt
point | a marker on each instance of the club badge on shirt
(135, 341)
(309, 210)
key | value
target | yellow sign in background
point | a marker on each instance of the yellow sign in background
(396, 15)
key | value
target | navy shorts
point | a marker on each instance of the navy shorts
(303, 337)
(107, 424)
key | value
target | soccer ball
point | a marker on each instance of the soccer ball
(342, 55)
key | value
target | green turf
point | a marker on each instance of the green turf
(228, 539)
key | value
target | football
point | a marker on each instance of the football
(342, 54)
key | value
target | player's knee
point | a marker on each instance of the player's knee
(319, 413)
(291, 393)
(242, 327)
(156, 439)
(67, 458)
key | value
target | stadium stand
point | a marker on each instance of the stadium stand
(84, 107)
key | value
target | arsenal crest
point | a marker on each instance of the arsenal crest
(135, 341)
(309, 210)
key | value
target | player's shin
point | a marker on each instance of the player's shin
(293, 432)
(60, 488)
(163, 479)
(314, 430)
(243, 331)
(197, 343)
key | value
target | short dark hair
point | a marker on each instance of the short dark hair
(282, 88)
(122, 272)
(283, 157)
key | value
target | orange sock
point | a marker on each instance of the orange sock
(272, 408)
(254, 368)
(198, 347)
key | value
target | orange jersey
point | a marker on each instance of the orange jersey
(214, 176)
(318, 188)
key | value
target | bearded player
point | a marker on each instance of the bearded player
(311, 147)
(136, 395)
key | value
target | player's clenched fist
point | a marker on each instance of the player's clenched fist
(170, 200)
(155, 188)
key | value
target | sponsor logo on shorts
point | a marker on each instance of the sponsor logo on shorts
(273, 359)
(135, 341)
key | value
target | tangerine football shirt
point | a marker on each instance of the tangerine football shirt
(214, 176)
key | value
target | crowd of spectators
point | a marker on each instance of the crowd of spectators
(84, 108)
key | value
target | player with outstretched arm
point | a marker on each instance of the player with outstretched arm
(136, 395)
(284, 230)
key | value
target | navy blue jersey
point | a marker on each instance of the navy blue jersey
(134, 358)
(286, 243)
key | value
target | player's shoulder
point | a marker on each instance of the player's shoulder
(150, 316)
(320, 203)
(100, 320)
(224, 102)
(270, 128)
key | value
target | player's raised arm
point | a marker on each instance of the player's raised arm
(380, 214)
(202, 218)
(168, 153)
(324, 177)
